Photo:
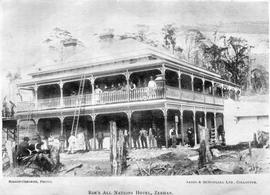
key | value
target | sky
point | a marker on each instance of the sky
(25, 24)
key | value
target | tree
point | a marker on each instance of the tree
(213, 59)
(195, 42)
(169, 33)
(12, 77)
(230, 59)
(258, 80)
(236, 60)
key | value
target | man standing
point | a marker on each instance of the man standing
(71, 143)
(86, 140)
(221, 133)
(152, 86)
(143, 134)
(174, 140)
(100, 137)
(126, 137)
(159, 144)
(190, 137)
(97, 95)
(173, 137)
(136, 138)
(151, 137)
(62, 143)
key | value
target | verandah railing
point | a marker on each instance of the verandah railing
(48, 103)
(118, 96)
(172, 92)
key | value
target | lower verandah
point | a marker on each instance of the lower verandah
(137, 120)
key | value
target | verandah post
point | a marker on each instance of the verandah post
(36, 96)
(194, 126)
(215, 127)
(165, 126)
(127, 75)
(61, 94)
(181, 127)
(129, 113)
(179, 83)
(94, 130)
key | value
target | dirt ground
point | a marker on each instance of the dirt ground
(184, 161)
(170, 161)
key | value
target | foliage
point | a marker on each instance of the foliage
(13, 76)
(259, 80)
(169, 33)
(195, 42)
(230, 59)
(236, 60)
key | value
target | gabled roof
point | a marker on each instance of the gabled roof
(103, 51)
(115, 50)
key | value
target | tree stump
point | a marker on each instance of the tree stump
(113, 147)
(118, 150)
(204, 150)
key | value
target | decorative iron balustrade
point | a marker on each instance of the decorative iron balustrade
(219, 100)
(209, 99)
(48, 103)
(25, 106)
(118, 96)
(172, 92)
(187, 95)
(72, 101)
(198, 97)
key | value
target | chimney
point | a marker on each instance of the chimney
(69, 48)
(106, 37)
(70, 43)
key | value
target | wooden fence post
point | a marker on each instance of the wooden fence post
(113, 146)
(118, 150)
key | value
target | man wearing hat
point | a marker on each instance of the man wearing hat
(23, 149)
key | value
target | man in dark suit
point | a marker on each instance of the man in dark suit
(23, 150)
(100, 138)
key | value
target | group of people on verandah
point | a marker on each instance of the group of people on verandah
(151, 85)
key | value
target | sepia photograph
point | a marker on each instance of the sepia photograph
(113, 89)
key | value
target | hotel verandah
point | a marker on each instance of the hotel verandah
(186, 95)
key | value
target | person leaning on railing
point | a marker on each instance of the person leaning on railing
(97, 94)
(119, 86)
(132, 85)
(112, 87)
(124, 87)
(152, 88)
